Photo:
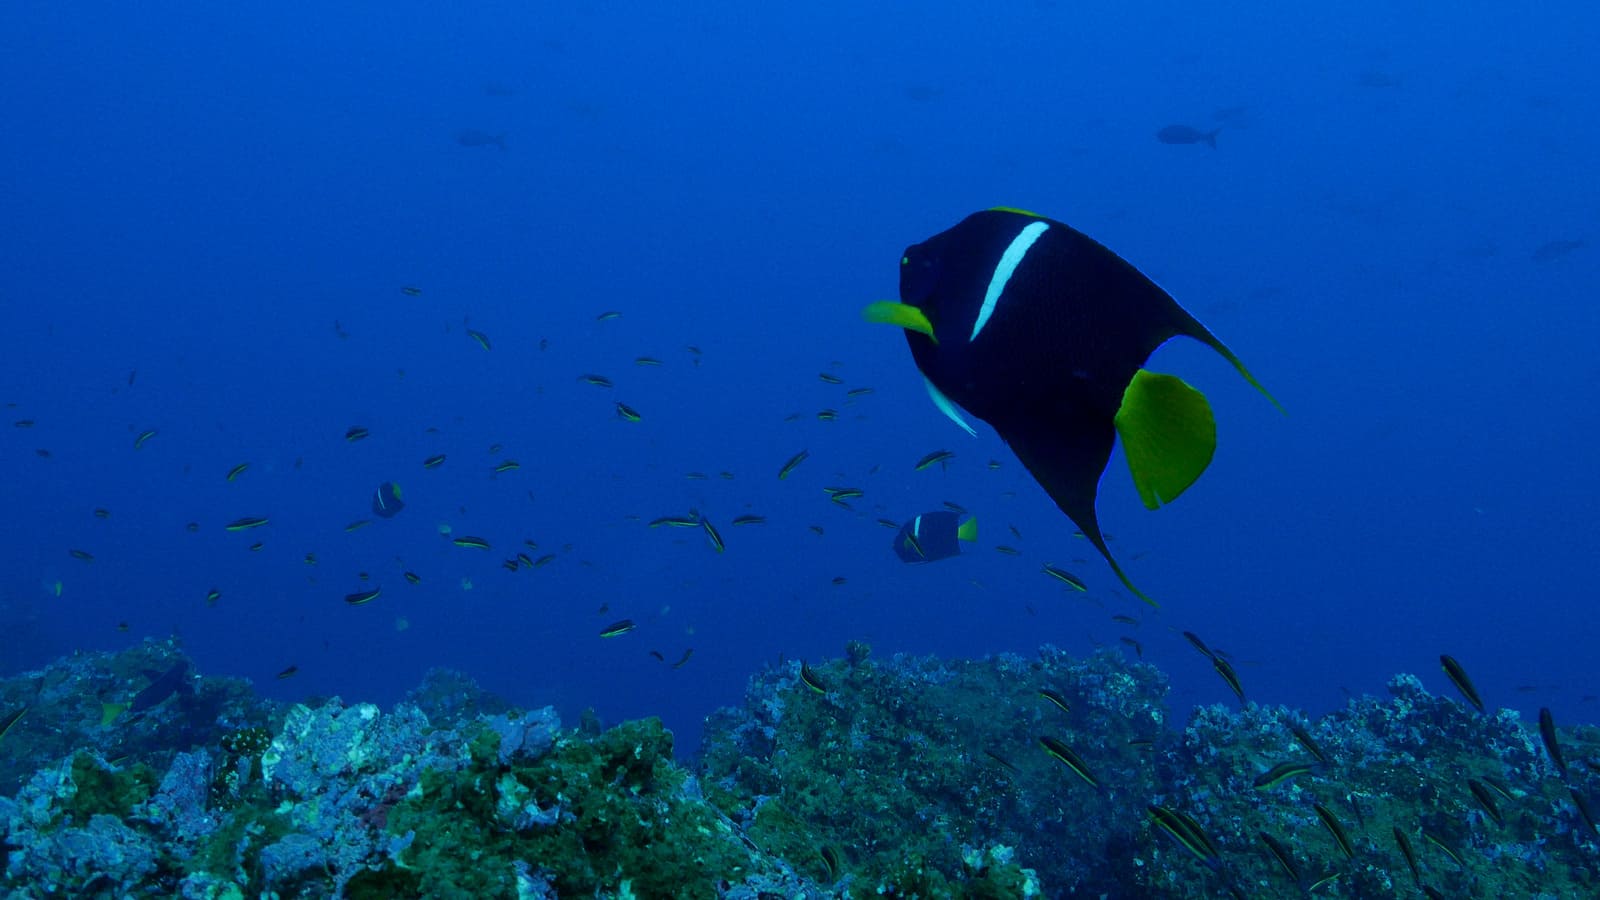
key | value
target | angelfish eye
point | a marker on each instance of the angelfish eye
(918, 276)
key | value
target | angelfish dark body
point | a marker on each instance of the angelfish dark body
(1042, 332)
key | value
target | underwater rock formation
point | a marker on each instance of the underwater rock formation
(907, 777)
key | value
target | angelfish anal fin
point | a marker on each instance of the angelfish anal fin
(1066, 454)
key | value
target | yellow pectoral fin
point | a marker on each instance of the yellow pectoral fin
(1168, 435)
(889, 312)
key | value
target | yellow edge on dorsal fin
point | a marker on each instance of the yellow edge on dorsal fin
(1013, 209)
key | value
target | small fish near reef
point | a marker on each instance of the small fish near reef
(1037, 329)
(1184, 134)
(174, 680)
(472, 137)
(386, 500)
(934, 536)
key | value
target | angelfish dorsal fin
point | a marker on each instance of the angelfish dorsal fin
(1238, 366)
(1191, 326)
(1168, 435)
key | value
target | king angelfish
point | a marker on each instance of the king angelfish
(1043, 333)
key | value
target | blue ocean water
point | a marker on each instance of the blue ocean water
(212, 215)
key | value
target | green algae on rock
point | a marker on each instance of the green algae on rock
(905, 777)
(902, 767)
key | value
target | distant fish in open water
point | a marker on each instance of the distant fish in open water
(1184, 134)
(472, 137)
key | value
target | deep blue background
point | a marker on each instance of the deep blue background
(199, 192)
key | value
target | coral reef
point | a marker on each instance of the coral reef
(350, 800)
(906, 777)
(902, 773)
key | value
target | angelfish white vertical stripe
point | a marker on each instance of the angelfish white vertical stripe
(1002, 272)
(916, 527)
